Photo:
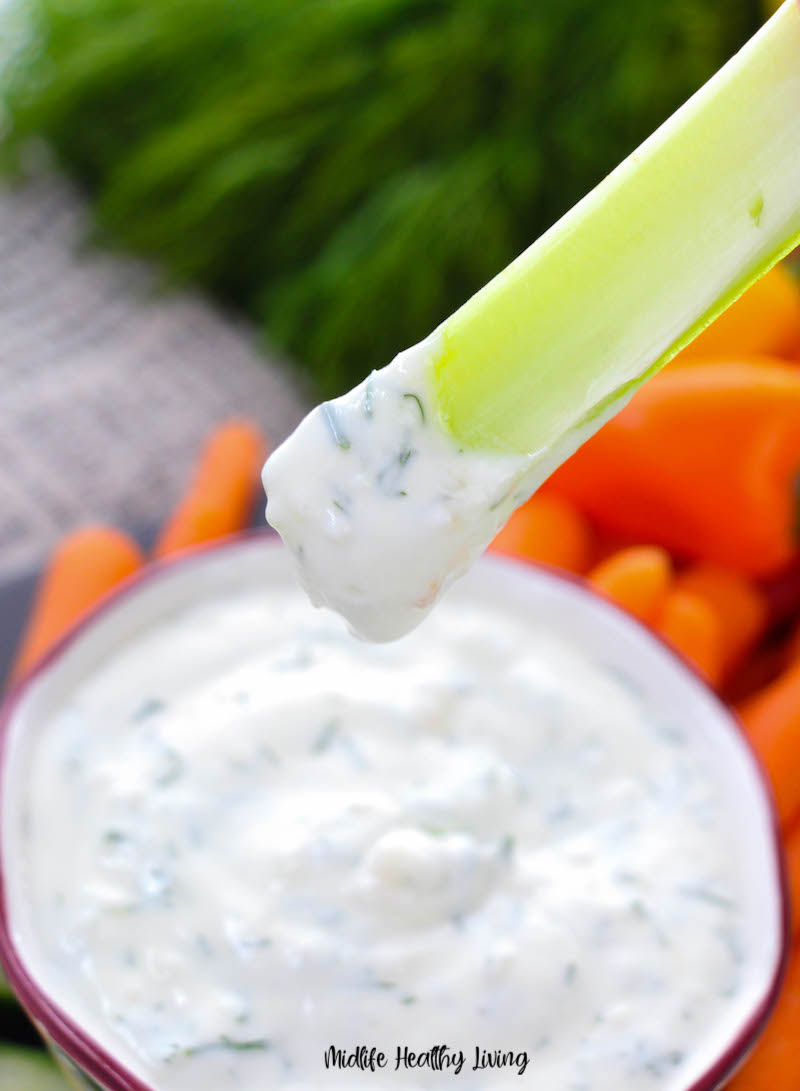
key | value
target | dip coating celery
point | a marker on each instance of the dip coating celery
(559, 340)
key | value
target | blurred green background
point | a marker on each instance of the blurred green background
(346, 172)
(349, 171)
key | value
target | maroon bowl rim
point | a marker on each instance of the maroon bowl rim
(81, 1048)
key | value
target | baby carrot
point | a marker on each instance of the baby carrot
(689, 623)
(739, 605)
(637, 578)
(772, 719)
(775, 1062)
(221, 494)
(81, 570)
(765, 320)
(550, 530)
(703, 461)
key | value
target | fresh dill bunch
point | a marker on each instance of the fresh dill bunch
(349, 171)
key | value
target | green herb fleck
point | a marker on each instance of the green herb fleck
(224, 1042)
(419, 405)
(657, 1066)
(408, 1000)
(756, 208)
(704, 894)
(507, 845)
(731, 941)
(173, 769)
(389, 477)
(570, 973)
(114, 837)
(326, 737)
(368, 404)
(255, 1043)
(254, 943)
(331, 416)
(640, 910)
(152, 706)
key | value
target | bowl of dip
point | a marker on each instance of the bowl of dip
(242, 849)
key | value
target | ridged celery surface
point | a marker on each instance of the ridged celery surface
(556, 343)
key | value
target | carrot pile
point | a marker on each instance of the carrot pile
(91, 561)
(220, 497)
(684, 510)
(85, 566)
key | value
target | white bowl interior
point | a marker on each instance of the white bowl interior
(608, 636)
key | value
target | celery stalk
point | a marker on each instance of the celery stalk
(559, 340)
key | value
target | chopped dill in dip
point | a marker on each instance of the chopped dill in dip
(381, 509)
(378, 505)
(245, 837)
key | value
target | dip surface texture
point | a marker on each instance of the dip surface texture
(247, 837)
(379, 506)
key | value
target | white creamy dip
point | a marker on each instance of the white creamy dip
(379, 506)
(382, 509)
(243, 837)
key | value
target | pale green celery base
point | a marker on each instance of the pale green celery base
(629, 276)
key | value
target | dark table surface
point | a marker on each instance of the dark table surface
(15, 599)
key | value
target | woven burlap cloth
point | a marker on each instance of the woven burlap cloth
(109, 385)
